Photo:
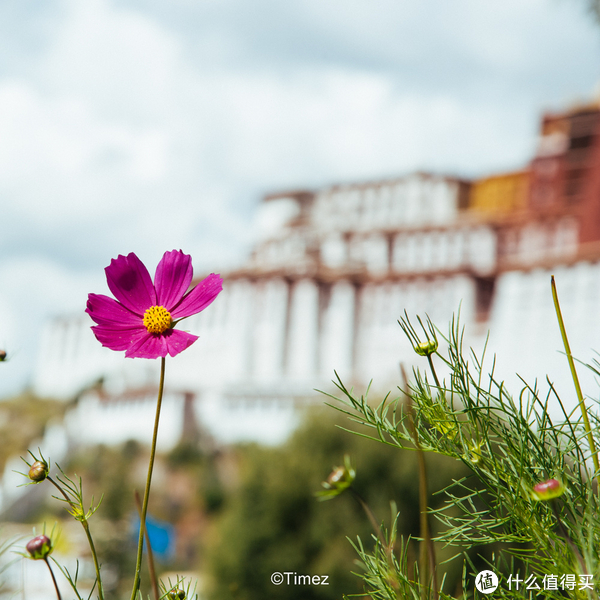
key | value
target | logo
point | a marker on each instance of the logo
(486, 582)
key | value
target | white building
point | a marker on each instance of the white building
(329, 276)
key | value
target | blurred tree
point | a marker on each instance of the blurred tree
(23, 420)
(186, 493)
(272, 522)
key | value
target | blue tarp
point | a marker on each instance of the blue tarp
(161, 533)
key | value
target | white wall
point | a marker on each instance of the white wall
(267, 341)
(525, 333)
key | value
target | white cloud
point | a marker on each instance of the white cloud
(59, 162)
(33, 290)
(130, 130)
(126, 62)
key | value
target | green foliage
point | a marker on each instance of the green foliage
(187, 458)
(272, 522)
(510, 445)
(188, 491)
(108, 473)
(23, 419)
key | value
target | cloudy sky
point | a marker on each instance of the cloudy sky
(144, 125)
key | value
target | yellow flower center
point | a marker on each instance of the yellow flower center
(157, 319)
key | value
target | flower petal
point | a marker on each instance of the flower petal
(178, 341)
(199, 298)
(150, 345)
(118, 338)
(105, 310)
(173, 277)
(129, 281)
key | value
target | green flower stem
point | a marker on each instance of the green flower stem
(437, 381)
(568, 539)
(151, 569)
(370, 516)
(427, 549)
(86, 527)
(53, 578)
(88, 534)
(582, 406)
(138, 566)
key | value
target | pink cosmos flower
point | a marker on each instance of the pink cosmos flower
(141, 321)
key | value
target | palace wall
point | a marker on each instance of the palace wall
(333, 269)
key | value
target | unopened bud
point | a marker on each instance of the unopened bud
(547, 490)
(176, 595)
(336, 476)
(426, 348)
(475, 455)
(38, 471)
(337, 481)
(39, 547)
(341, 477)
(2, 355)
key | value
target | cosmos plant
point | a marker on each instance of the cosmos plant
(533, 495)
(143, 317)
(534, 489)
(142, 320)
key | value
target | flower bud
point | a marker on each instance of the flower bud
(176, 595)
(38, 471)
(336, 476)
(341, 477)
(39, 547)
(339, 480)
(474, 454)
(426, 348)
(547, 490)
(2, 355)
